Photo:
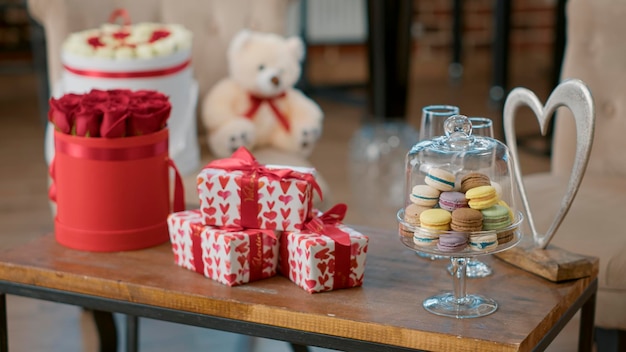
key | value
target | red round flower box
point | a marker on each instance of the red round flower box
(112, 194)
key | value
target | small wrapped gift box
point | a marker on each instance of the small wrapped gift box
(229, 256)
(326, 255)
(238, 191)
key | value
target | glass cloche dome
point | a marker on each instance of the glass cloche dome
(459, 192)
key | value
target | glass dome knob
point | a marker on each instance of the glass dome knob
(458, 129)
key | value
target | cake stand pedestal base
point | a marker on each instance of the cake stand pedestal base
(552, 263)
(470, 306)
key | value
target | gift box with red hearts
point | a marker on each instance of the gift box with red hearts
(326, 255)
(238, 191)
(227, 255)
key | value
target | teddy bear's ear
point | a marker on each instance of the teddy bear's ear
(240, 39)
(296, 47)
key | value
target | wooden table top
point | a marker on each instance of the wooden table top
(387, 309)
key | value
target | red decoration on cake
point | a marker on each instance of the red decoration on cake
(158, 34)
(95, 42)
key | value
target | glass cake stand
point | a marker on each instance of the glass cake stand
(458, 303)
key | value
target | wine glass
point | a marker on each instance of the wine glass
(433, 117)
(481, 126)
(432, 125)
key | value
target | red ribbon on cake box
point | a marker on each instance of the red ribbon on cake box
(250, 171)
(221, 253)
(345, 267)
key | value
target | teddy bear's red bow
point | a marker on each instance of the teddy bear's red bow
(255, 104)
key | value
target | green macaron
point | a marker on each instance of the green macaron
(496, 218)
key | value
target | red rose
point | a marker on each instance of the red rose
(149, 111)
(148, 95)
(114, 120)
(88, 118)
(62, 111)
(111, 113)
(96, 97)
(124, 93)
(87, 121)
(116, 114)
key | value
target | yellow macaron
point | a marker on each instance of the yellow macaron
(482, 197)
(435, 219)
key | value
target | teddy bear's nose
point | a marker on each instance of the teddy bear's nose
(275, 80)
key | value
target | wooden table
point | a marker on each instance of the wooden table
(386, 314)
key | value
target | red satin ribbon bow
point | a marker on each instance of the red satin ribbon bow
(326, 224)
(256, 102)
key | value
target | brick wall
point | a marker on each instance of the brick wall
(532, 31)
(532, 26)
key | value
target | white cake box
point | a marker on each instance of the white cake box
(171, 75)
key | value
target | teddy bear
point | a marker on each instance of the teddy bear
(256, 105)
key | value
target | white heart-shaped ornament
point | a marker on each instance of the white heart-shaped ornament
(574, 95)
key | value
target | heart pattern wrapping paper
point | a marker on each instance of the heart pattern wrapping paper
(229, 256)
(281, 204)
(317, 263)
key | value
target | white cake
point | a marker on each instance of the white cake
(142, 41)
(140, 56)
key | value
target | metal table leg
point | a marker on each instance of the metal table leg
(4, 331)
(587, 318)
(106, 330)
(132, 333)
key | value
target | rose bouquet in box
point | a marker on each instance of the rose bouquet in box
(110, 172)
(110, 114)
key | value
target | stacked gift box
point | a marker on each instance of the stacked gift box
(256, 220)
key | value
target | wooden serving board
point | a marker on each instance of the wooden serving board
(553, 263)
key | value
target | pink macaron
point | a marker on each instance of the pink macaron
(452, 242)
(452, 200)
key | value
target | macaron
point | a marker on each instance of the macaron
(505, 236)
(440, 179)
(412, 214)
(435, 219)
(503, 203)
(452, 242)
(425, 238)
(473, 180)
(424, 195)
(482, 197)
(466, 220)
(498, 188)
(495, 218)
(405, 230)
(483, 241)
(452, 200)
